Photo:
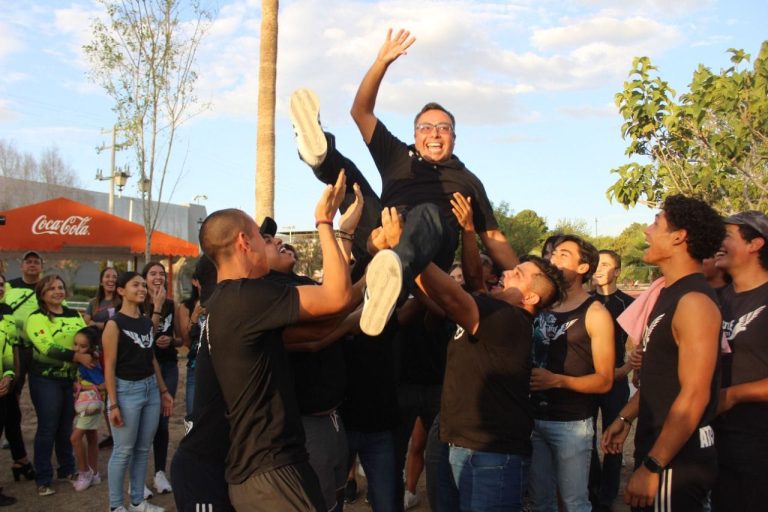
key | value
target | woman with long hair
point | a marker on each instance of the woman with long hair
(164, 313)
(137, 394)
(51, 329)
(103, 306)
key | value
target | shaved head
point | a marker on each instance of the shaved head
(220, 230)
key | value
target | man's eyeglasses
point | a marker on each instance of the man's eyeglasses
(442, 128)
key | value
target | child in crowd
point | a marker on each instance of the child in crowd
(89, 404)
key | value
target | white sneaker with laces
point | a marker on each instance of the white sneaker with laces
(84, 480)
(304, 109)
(383, 282)
(410, 500)
(162, 485)
(145, 506)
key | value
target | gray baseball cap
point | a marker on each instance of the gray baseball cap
(752, 218)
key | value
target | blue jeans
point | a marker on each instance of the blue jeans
(441, 487)
(560, 462)
(55, 409)
(190, 395)
(377, 455)
(170, 372)
(488, 481)
(139, 403)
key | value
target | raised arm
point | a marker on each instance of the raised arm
(502, 254)
(471, 264)
(336, 291)
(458, 305)
(365, 99)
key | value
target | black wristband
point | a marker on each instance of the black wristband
(653, 465)
(113, 407)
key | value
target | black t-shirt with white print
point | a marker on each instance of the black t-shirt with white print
(569, 352)
(485, 403)
(407, 180)
(134, 347)
(165, 327)
(244, 321)
(745, 328)
(660, 383)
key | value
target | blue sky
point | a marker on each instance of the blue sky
(531, 84)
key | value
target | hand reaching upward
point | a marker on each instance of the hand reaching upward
(394, 47)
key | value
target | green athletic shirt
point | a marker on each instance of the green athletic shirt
(8, 340)
(20, 296)
(53, 341)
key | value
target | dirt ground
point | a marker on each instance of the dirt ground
(96, 498)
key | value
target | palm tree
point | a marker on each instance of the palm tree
(265, 136)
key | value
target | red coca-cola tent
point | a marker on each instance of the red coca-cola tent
(65, 229)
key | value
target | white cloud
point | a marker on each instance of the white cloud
(666, 8)
(9, 43)
(6, 111)
(628, 32)
(584, 111)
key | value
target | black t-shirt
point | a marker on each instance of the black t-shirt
(165, 327)
(421, 348)
(616, 303)
(485, 394)
(407, 180)
(207, 429)
(320, 376)
(194, 332)
(251, 365)
(745, 327)
(371, 398)
(659, 374)
(134, 347)
(569, 353)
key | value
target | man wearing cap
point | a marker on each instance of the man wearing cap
(741, 437)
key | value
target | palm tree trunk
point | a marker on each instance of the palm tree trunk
(265, 137)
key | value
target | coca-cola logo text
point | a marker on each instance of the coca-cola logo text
(74, 225)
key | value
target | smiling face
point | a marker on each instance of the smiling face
(82, 344)
(606, 272)
(278, 257)
(567, 257)
(54, 293)
(109, 280)
(156, 277)
(734, 250)
(432, 143)
(135, 290)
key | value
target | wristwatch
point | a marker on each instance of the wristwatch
(653, 465)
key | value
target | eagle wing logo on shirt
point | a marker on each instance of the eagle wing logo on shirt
(459, 332)
(549, 330)
(649, 330)
(167, 321)
(142, 340)
(730, 331)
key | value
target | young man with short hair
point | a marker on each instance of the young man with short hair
(675, 458)
(741, 437)
(574, 347)
(266, 467)
(484, 413)
(604, 478)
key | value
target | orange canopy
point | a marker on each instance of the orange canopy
(65, 227)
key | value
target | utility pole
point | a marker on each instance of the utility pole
(595, 227)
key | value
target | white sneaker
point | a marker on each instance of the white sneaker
(145, 506)
(96, 480)
(304, 109)
(162, 485)
(383, 282)
(84, 480)
(410, 500)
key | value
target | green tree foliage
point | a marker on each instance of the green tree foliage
(712, 143)
(143, 56)
(524, 230)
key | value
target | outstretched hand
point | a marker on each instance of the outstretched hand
(462, 209)
(394, 47)
(350, 218)
(331, 199)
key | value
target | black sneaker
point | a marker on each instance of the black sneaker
(350, 492)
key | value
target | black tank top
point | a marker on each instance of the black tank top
(570, 353)
(658, 375)
(165, 327)
(134, 347)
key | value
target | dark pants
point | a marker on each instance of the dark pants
(441, 487)
(742, 479)
(199, 484)
(414, 401)
(327, 172)
(10, 422)
(604, 480)
(377, 456)
(170, 372)
(55, 410)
